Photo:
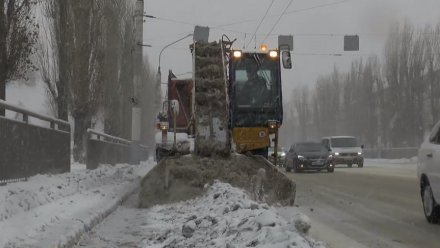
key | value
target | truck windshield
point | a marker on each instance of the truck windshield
(255, 83)
(344, 142)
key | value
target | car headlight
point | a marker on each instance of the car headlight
(336, 153)
(359, 153)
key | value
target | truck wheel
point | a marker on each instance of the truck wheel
(158, 155)
(430, 207)
(288, 168)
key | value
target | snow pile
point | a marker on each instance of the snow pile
(43, 189)
(224, 217)
(54, 210)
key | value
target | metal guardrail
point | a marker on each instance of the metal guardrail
(27, 149)
(115, 139)
(27, 113)
(108, 149)
(391, 153)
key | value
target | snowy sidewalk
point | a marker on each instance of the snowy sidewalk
(55, 210)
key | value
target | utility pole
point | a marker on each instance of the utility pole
(137, 84)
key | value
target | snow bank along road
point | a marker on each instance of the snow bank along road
(58, 210)
(55, 210)
(375, 206)
(224, 217)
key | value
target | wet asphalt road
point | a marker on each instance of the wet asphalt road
(374, 206)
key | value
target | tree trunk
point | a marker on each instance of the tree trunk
(63, 30)
(82, 123)
(3, 56)
(2, 93)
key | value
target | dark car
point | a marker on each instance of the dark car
(308, 156)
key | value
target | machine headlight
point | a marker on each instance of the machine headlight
(273, 54)
(283, 154)
(163, 126)
(359, 153)
(237, 54)
(300, 157)
(336, 153)
(330, 156)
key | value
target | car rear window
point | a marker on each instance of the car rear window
(310, 147)
(344, 142)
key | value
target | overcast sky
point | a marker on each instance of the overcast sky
(317, 31)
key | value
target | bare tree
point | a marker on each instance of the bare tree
(18, 34)
(302, 106)
(432, 60)
(49, 56)
(118, 72)
(81, 63)
(385, 104)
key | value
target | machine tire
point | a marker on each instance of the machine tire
(361, 164)
(350, 165)
(430, 208)
(331, 170)
(158, 157)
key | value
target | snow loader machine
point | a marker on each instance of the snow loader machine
(237, 109)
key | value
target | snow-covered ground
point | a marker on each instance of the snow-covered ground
(223, 217)
(56, 210)
(53, 210)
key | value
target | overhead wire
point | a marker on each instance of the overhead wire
(254, 36)
(279, 19)
(317, 6)
(288, 13)
(221, 27)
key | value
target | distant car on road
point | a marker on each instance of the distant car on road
(344, 150)
(308, 156)
(428, 171)
(281, 155)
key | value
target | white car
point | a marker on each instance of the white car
(428, 171)
(344, 150)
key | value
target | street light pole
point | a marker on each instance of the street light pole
(165, 47)
(136, 112)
